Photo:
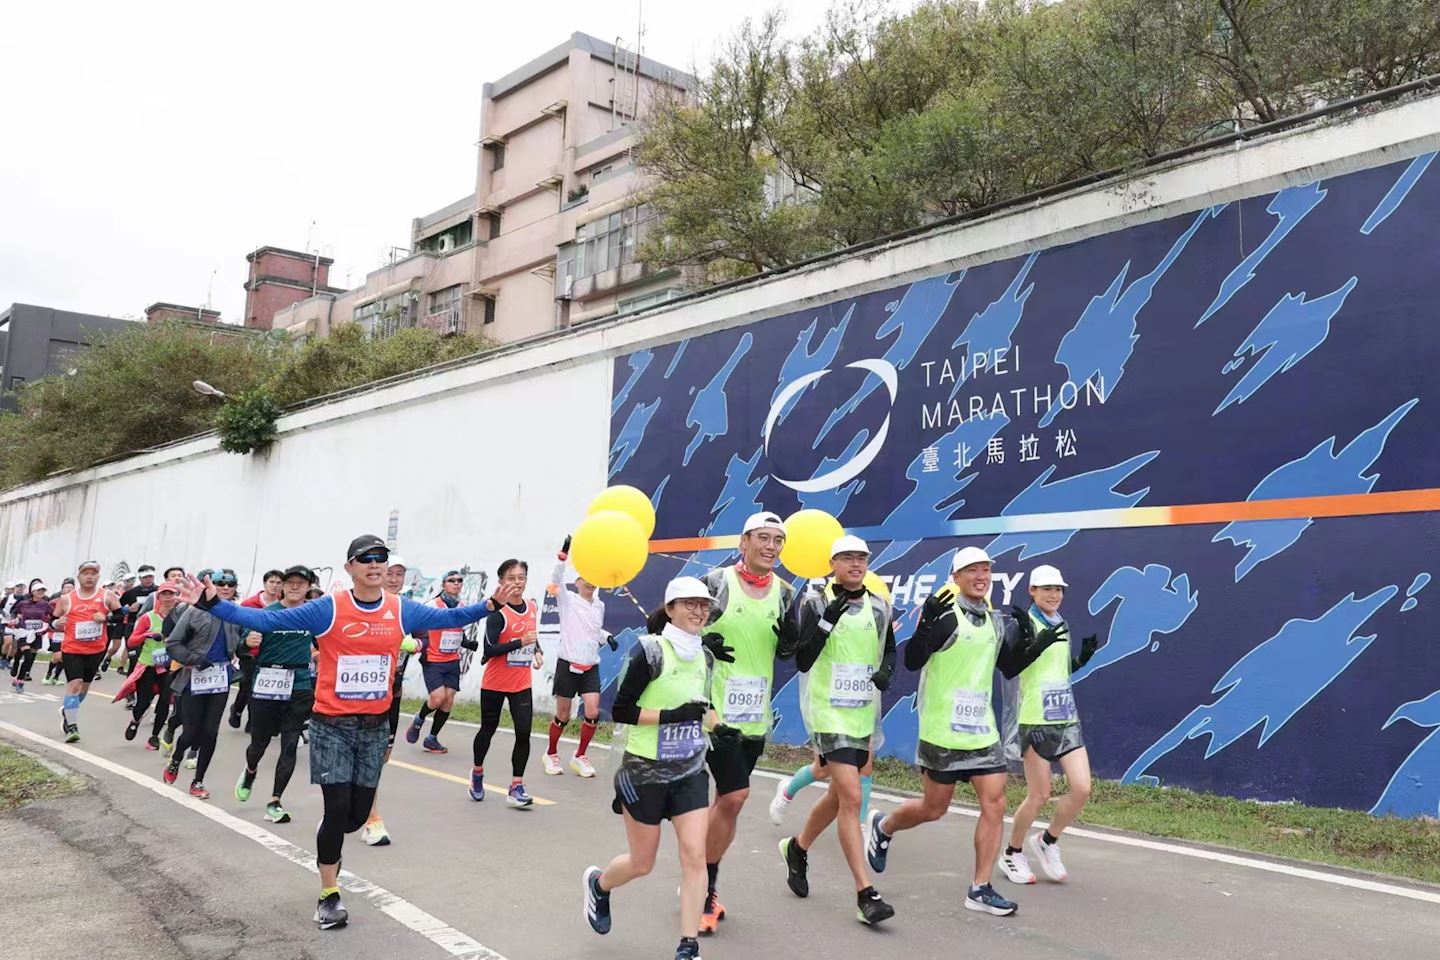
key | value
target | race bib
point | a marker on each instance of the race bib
(36, 625)
(681, 741)
(88, 630)
(450, 640)
(362, 677)
(159, 658)
(850, 685)
(971, 712)
(1058, 701)
(523, 657)
(744, 700)
(213, 679)
(274, 683)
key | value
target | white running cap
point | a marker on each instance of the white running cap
(849, 544)
(686, 588)
(1047, 576)
(967, 556)
(396, 561)
(764, 520)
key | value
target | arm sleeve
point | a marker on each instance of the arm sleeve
(887, 659)
(138, 635)
(920, 648)
(812, 638)
(636, 678)
(1015, 654)
(494, 624)
(314, 617)
(789, 638)
(420, 616)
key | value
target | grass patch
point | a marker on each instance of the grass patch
(1342, 838)
(23, 779)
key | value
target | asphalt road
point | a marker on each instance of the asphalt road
(214, 880)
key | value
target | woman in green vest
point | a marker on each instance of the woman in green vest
(957, 646)
(154, 682)
(846, 656)
(663, 697)
(1049, 733)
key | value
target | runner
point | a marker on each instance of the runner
(201, 648)
(115, 632)
(282, 695)
(30, 620)
(84, 611)
(374, 834)
(582, 630)
(175, 575)
(511, 654)
(750, 623)
(14, 595)
(662, 697)
(269, 594)
(440, 661)
(1049, 732)
(148, 642)
(846, 657)
(359, 633)
(957, 645)
(130, 601)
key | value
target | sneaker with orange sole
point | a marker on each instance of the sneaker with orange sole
(713, 913)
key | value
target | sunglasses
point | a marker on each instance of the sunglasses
(373, 556)
(226, 583)
(454, 579)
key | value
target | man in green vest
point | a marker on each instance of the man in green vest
(750, 626)
(957, 646)
(846, 656)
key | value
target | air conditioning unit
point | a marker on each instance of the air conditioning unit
(447, 243)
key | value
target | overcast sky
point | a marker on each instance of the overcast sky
(144, 146)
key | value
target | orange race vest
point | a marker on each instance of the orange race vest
(357, 658)
(82, 633)
(444, 645)
(510, 672)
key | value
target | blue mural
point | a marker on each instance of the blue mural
(1214, 424)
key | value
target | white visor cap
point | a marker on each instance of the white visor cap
(764, 520)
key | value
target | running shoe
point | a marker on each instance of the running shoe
(870, 908)
(243, 785)
(477, 785)
(778, 804)
(132, 728)
(167, 742)
(72, 733)
(171, 772)
(412, 732)
(582, 767)
(191, 762)
(797, 862)
(1048, 856)
(17, 686)
(877, 847)
(713, 913)
(198, 791)
(130, 701)
(1016, 868)
(597, 901)
(689, 949)
(234, 719)
(330, 913)
(552, 765)
(986, 900)
(278, 814)
(153, 743)
(374, 834)
(433, 745)
(517, 797)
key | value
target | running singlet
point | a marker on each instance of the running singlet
(357, 658)
(443, 645)
(83, 634)
(510, 672)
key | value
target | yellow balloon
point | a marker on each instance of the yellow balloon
(875, 585)
(609, 548)
(809, 535)
(627, 500)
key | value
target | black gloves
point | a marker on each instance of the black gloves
(716, 645)
(689, 713)
(1056, 634)
(938, 620)
(565, 548)
(1088, 646)
(880, 679)
(723, 736)
(470, 644)
(609, 637)
(1023, 624)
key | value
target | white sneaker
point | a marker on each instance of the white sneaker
(1016, 868)
(1048, 856)
(779, 803)
(582, 767)
(191, 763)
(552, 766)
(375, 834)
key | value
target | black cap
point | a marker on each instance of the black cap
(299, 570)
(362, 544)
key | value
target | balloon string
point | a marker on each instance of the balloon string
(625, 592)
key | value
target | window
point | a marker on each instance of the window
(494, 225)
(497, 154)
(489, 309)
(606, 243)
(445, 302)
(384, 317)
(647, 300)
(598, 173)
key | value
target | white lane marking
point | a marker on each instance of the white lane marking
(430, 927)
(1159, 846)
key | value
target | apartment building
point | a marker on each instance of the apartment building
(549, 236)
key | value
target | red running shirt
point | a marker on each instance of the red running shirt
(357, 658)
(510, 672)
(82, 633)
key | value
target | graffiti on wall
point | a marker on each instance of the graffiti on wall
(1215, 425)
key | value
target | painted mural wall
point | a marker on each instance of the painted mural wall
(1219, 426)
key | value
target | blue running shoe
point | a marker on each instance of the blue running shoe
(877, 847)
(477, 786)
(412, 732)
(986, 900)
(433, 745)
(597, 901)
(517, 797)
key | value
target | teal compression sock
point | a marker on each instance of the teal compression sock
(865, 783)
(802, 779)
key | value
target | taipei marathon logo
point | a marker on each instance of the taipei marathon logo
(853, 467)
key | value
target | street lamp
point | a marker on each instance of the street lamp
(205, 390)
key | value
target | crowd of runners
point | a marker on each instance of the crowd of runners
(692, 705)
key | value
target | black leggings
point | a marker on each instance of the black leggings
(152, 686)
(242, 693)
(278, 718)
(21, 663)
(347, 807)
(202, 715)
(522, 710)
